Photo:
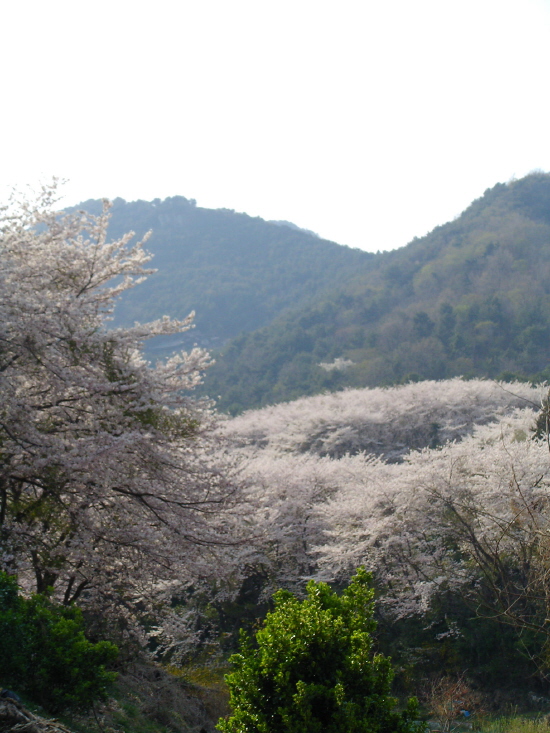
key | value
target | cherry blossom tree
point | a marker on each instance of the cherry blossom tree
(287, 492)
(337, 483)
(113, 483)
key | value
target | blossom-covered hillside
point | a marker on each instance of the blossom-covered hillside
(382, 421)
(454, 522)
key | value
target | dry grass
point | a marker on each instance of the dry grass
(516, 724)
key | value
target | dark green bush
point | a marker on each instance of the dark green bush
(45, 655)
(313, 669)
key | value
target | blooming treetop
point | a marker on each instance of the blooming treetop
(472, 518)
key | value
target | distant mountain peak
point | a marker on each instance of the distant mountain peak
(284, 223)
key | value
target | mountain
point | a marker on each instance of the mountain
(236, 272)
(471, 298)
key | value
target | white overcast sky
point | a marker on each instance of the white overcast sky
(367, 121)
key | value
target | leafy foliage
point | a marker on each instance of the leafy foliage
(45, 653)
(313, 669)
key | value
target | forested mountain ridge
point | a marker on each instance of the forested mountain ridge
(235, 271)
(471, 298)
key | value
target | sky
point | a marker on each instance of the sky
(369, 122)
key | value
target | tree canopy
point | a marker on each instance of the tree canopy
(440, 490)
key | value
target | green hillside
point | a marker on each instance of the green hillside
(236, 272)
(471, 298)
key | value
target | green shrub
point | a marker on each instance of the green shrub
(45, 654)
(313, 671)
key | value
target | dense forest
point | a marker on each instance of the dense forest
(469, 299)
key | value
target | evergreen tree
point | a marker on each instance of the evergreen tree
(313, 669)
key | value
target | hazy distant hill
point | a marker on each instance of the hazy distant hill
(237, 272)
(471, 298)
